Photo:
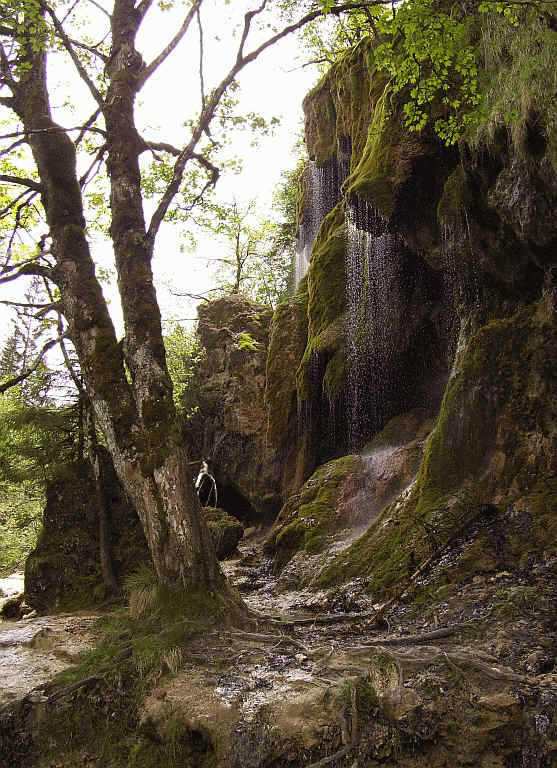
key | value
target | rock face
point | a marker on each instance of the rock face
(230, 428)
(63, 572)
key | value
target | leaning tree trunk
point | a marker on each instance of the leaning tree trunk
(136, 419)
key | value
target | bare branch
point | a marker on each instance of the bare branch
(89, 48)
(62, 335)
(31, 268)
(21, 182)
(162, 146)
(28, 194)
(15, 380)
(13, 146)
(201, 55)
(165, 53)
(73, 55)
(208, 111)
(84, 180)
(86, 127)
(213, 170)
(248, 18)
(53, 129)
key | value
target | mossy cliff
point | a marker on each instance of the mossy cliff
(63, 572)
(393, 180)
(287, 342)
(473, 291)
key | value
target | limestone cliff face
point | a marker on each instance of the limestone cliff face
(431, 284)
(230, 428)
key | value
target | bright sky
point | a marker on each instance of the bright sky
(274, 85)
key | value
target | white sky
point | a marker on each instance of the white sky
(274, 85)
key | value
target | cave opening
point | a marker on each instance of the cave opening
(237, 504)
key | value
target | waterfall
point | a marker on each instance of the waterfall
(375, 297)
(323, 191)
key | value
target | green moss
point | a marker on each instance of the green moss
(455, 199)
(334, 379)
(326, 293)
(225, 530)
(100, 718)
(342, 103)
(372, 178)
(313, 514)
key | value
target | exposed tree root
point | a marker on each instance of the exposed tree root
(306, 621)
(414, 639)
(278, 639)
(332, 758)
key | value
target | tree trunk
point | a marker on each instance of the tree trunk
(136, 419)
(105, 553)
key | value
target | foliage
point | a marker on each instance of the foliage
(20, 522)
(35, 442)
(36, 437)
(260, 253)
(325, 40)
(183, 355)
(519, 60)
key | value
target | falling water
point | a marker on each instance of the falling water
(375, 295)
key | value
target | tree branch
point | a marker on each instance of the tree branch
(86, 127)
(30, 268)
(162, 146)
(201, 77)
(53, 129)
(15, 380)
(73, 55)
(148, 70)
(89, 48)
(28, 193)
(21, 182)
(213, 102)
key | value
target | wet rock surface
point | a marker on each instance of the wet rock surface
(33, 650)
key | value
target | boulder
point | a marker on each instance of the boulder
(225, 529)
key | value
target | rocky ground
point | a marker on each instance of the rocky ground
(464, 677)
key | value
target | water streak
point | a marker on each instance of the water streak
(322, 192)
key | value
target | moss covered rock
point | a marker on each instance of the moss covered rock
(287, 342)
(316, 512)
(225, 530)
(63, 572)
